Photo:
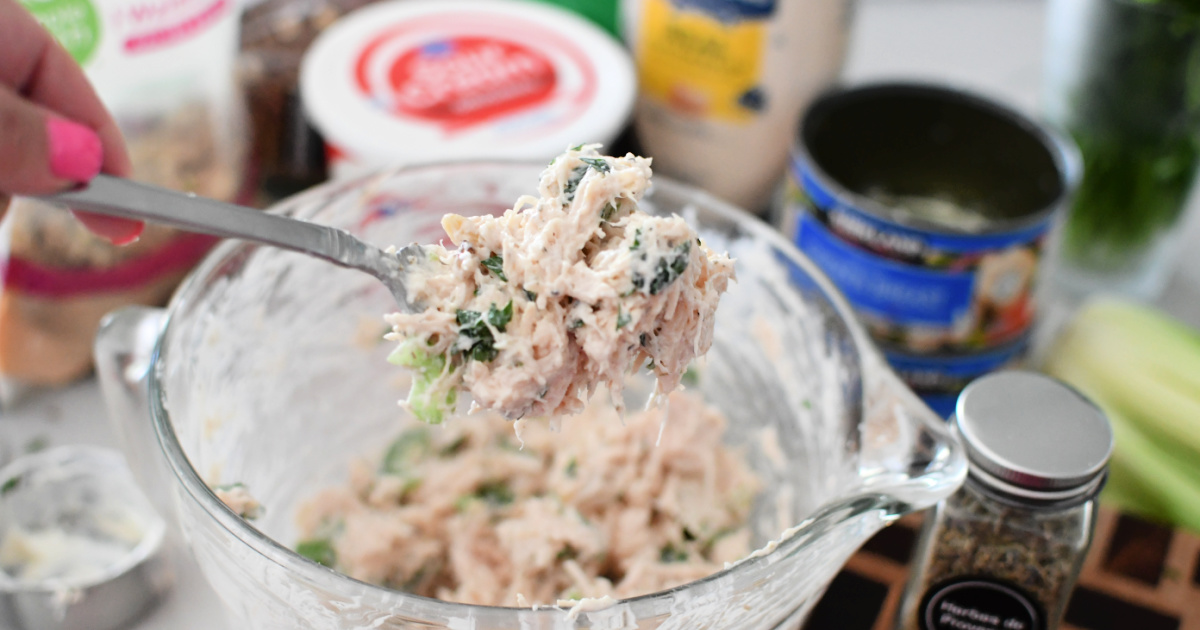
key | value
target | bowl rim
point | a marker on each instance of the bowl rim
(867, 498)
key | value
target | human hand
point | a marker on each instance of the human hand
(54, 131)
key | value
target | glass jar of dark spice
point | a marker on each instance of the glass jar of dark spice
(1004, 551)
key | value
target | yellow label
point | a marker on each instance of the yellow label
(694, 64)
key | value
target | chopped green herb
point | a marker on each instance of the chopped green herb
(572, 468)
(600, 164)
(495, 264)
(666, 270)
(410, 486)
(500, 317)
(671, 554)
(567, 553)
(578, 147)
(608, 212)
(572, 184)
(454, 448)
(530, 295)
(475, 336)
(495, 493)
(623, 319)
(10, 485)
(461, 504)
(37, 444)
(577, 324)
(637, 239)
(691, 377)
(688, 535)
(318, 550)
(406, 451)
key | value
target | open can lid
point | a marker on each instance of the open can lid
(1029, 435)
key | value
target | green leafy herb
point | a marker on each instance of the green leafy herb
(578, 147)
(669, 553)
(10, 485)
(567, 553)
(691, 377)
(455, 447)
(637, 239)
(667, 269)
(530, 295)
(495, 493)
(572, 184)
(577, 324)
(623, 319)
(495, 264)
(475, 336)
(572, 468)
(600, 164)
(1134, 113)
(319, 550)
(406, 451)
(607, 213)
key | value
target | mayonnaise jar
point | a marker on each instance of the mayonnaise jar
(722, 84)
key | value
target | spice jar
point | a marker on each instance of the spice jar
(1004, 551)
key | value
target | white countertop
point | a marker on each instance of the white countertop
(990, 46)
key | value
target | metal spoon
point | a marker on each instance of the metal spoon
(119, 197)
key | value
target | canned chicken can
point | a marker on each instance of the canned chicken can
(929, 207)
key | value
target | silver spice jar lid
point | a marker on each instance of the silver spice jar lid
(1029, 435)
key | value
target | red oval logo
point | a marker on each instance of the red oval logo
(457, 82)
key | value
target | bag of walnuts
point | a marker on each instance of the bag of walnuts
(167, 71)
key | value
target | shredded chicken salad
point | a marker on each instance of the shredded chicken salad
(463, 513)
(537, 308)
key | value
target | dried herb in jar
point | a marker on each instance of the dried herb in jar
(1004, 551)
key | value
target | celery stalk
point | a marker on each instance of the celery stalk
(1143, 369)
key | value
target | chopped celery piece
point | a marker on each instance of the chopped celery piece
(406, 451)
(319, 550)
(423, 398)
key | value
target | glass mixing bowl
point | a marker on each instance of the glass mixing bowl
(268, 369)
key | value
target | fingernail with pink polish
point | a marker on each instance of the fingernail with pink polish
(75, 151)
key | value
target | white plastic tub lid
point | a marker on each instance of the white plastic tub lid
(433, 80)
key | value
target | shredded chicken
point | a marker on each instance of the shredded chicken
(463, 513)
(537, 308)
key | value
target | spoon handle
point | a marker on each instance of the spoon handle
(118, 197)
(115, 196)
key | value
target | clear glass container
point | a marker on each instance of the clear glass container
(1006, 549)
(1054, 541)
(270, 372)
(1120, 77)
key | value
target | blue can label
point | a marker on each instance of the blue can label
(731, 10)
(938, 380)
(922, 291)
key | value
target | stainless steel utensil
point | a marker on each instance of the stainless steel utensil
(119, 197)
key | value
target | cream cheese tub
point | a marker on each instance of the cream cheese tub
(269, 370)
(929, 207)
(416, 81)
